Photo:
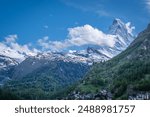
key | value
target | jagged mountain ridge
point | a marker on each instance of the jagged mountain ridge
(47, 72)
(102, 53)
(126, 76)
(123, 37)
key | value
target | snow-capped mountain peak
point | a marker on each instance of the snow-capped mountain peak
(124, 33)
(121, 32)
(117, 22)
(16, 52)
(120, 28)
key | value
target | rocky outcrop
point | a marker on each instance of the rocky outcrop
(101, 95)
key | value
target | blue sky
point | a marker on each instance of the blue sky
(32, 20)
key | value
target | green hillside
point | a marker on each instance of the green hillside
(128, 74)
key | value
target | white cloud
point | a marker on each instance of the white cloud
(11, 38)
(2, 46)
(9, 47)
(46, 44)
(129, 27)
(79, 36)
(86, 34)
(23, 49)
(148, 4)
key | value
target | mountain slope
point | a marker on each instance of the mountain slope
(47, 72)
(7, 66)
(126, 76)
(42, 78)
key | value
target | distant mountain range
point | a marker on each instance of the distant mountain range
(121, 32)
(45, 74)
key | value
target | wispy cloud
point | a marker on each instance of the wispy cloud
(102, 13)
(94, 6)
(45, 26)
(79, 36)
(148, 4)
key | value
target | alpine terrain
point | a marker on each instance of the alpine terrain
(52, 75)
(126, 76)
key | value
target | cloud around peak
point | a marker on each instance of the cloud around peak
(130, 28)
(79, 36)
(10, 47)
(87, 34)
